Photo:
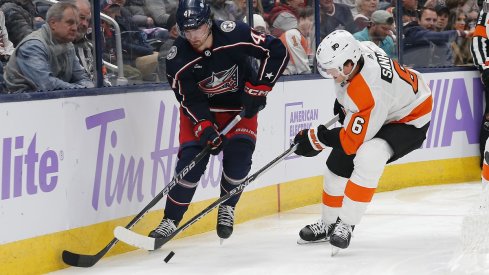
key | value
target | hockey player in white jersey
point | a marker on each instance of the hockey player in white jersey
(385, 110)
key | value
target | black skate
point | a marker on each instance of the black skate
(315, 233)
(225, 221)
(164, 230)
(340, 238)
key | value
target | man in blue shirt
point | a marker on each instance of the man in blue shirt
(379, 32)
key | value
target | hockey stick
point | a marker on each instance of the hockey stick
(148, 243)
(83, 260)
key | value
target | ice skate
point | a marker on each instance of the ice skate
(315, 233)
(340, 238)
(164, 229)
(225, 221)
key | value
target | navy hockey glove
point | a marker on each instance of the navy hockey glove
(254, 98)
(207, 133)
(485, 78)
(340, 111)
(308, 145)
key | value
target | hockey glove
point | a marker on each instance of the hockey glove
(308, 145)
(340, 111)
(485, 78)
(207, 133)
(254, 98)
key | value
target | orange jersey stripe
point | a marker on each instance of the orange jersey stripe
(332, 201)
(480, 31)
(360, 93)
(421, 110)
(485, 172)
(358, 193)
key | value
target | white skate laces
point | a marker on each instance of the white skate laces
(166, 227)
(226, 215)
(318, 228)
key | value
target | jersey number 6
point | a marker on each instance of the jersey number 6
(407, 75)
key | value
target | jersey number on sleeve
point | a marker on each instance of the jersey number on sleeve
(407, 75)
(357, 125)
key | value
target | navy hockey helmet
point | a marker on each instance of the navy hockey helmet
(192, 14)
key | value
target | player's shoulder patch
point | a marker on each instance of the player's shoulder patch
(172, 53)
(228, 26)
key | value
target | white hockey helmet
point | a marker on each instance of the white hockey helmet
(335, 49)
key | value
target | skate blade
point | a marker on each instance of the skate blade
(221, 241)
(303, 242)
(334, 250)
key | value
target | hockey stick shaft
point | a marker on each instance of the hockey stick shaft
(239, 188)
(82, 260)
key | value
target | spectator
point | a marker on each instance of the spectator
(137, 52)
(226, 10)
(379, 32)
(442, 13)
(296, 42)
(283, 16)
(351, 4)
(365, 9)
(259, 23)
(163, 53)
(163, 12)
(83, 47)
(45, 59)
(461, 45)
(335, 17)
(19, 18)
(6, 49)
(409, 10)
(425, 47)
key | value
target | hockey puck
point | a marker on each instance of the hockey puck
(170, 255)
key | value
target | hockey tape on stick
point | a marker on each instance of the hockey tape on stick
(149, 243)
(83, 260)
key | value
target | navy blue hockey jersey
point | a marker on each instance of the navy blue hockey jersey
(213, 80)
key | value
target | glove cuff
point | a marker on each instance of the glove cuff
(314, 140)
(201, 126)
(258, 90)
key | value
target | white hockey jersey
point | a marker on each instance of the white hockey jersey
(382, 92)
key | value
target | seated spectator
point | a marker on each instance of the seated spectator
(6, 49)
(365, 9)
(379, 32)
(83, 47)
(296, 42)
(148, 14)
(45, 59)
(283, 16)
(461, 45)
(226, 10)
(349, 3)
(442, 13)
(259, 23)
(423, 46)
(19, 18)
(409, 11)
(335, 17)
(137, 52)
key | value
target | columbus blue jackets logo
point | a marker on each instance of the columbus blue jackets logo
(172, 53)
(228, 26)
(221, 82)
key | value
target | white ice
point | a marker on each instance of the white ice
(409, 231)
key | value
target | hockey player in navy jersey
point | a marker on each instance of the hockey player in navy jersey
(217, 68)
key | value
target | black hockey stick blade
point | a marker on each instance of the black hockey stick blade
(83, 260)
(149, 243)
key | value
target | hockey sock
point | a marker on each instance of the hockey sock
(179, 199)
(227, 186)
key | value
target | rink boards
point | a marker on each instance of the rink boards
(73, 168)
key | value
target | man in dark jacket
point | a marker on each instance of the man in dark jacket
(20, 16)
(425, 47)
